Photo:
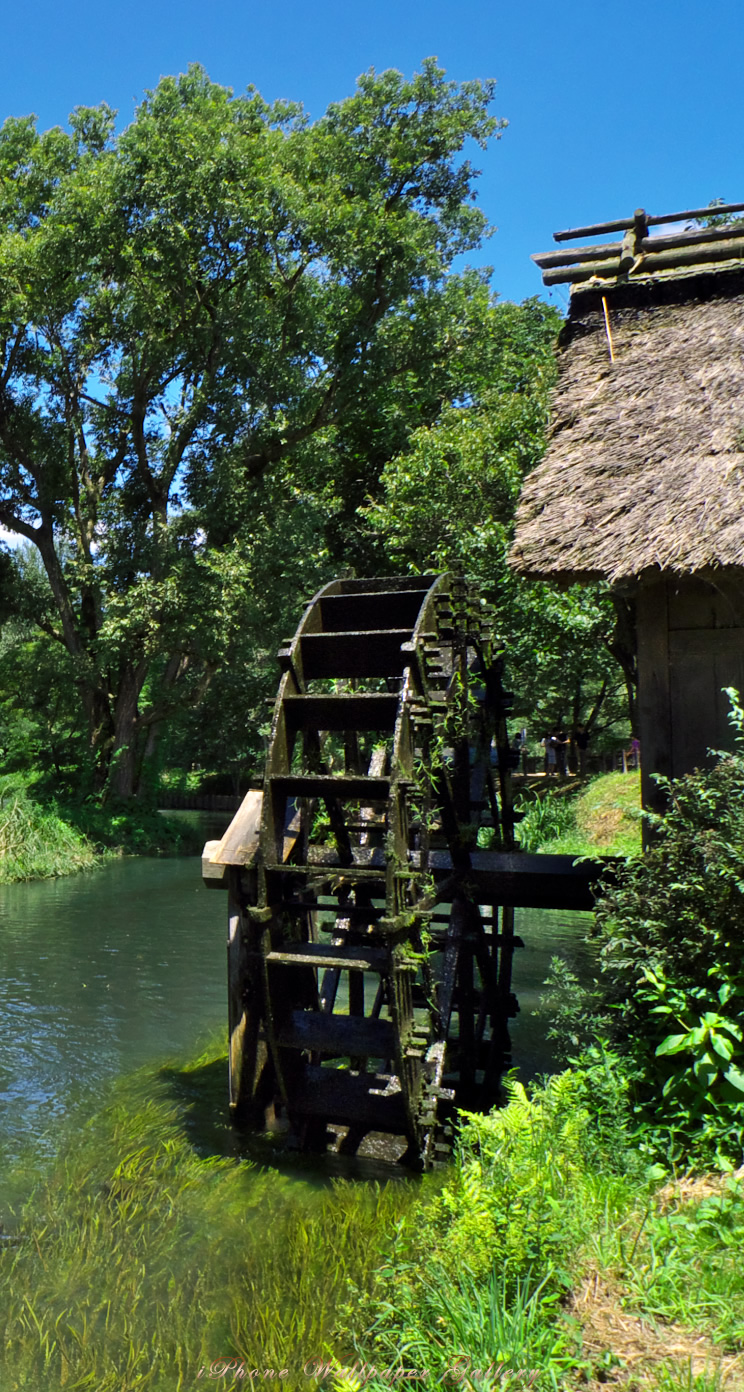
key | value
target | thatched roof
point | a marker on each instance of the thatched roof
(645, 464)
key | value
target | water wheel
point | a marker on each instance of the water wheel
(369, 989)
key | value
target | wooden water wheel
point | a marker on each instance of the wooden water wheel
(369, 987)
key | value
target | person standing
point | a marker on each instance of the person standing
(559, 740)
(581, 736)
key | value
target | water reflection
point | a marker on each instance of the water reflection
(546, 934)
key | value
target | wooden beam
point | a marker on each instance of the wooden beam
(622, 224)
(697, 236)
(695, 255)
(546, 260)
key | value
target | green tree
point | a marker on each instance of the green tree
(223, 294)
(450, 497)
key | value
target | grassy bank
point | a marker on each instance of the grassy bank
(133, 828)
(41, 840)
(604, 818)
(35, 842)
(556, 1256)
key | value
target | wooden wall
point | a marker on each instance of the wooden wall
(690, 646)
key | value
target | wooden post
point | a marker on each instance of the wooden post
(654, 701)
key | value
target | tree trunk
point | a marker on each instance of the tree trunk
(622, 645)
(147, 756)
(123, 765)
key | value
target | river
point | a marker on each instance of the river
(123, 966)
(144, 1244)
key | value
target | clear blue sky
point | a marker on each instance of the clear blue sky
(609, 108)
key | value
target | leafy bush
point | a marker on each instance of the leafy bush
(671, 937)
(516, 1168)
(480, 1268)
(129, 827)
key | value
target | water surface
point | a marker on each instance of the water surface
(125, 965)
(102, 972)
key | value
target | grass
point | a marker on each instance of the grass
(552, 1258)
(603, 819)
(35, 843)
(159, 1247)
(40, 841)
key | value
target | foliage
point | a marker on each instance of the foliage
(449, 500)
(132, 828)
(155, 1248)
(602, 819)
(224, 304)
(35, 843)
(475, 1334)
(701, 1233)
(519, 1171)
(670, 933)
(41, 839)
(575, 1014)
(483, 1264)
(545, 818)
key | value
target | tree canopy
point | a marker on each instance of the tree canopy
(449, 499)
(224, 305)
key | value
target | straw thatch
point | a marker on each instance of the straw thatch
(644, 470)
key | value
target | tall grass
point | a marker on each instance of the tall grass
(545, 817)
(35, 843)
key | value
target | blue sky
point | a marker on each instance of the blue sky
(609, 108)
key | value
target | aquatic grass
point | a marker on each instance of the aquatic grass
(35, 843)
(156, 1248)
(140, 1260)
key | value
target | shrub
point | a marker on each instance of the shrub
(671, 938)
(478, 1272)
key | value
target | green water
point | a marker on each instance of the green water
(156, 1239)
(102, 973)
